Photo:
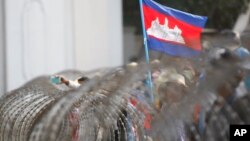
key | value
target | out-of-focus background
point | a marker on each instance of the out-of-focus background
(40, 37)
(47, 36)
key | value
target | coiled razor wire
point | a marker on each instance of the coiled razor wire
(101, 109)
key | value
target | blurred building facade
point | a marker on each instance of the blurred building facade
(41, 37)
(2, 50)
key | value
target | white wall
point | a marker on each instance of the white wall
(2, 51)
(48, 36)
(39, 39)
(98, 33)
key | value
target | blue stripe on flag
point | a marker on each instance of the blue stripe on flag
(195, 20)
(171, 49)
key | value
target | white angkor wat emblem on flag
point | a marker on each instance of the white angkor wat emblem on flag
(164, 32)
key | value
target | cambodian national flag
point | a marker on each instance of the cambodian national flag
(172, 31)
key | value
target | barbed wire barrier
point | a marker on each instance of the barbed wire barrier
(193, 101)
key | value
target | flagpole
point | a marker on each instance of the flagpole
(146, 51)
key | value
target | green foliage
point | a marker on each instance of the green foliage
(221, 14)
